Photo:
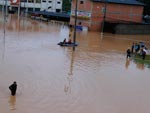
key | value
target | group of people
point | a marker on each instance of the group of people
(137, 48)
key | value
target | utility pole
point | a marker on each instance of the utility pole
(19, 7)
(4, 25)
(104, 15)
(5, 14)
(75, 23)
(6, 4)
(24, 8)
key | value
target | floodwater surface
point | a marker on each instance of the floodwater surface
(95, 78)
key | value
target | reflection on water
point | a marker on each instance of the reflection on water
(67, 87)
(12, 102)
(140, 66)
(95, 78)
(127, 63)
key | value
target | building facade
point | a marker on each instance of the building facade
(93, 13)
(35, 5)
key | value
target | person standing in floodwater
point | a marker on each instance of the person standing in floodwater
(143, 54)
(132, 48)
(137, 47)
(128, 53)
(13, 88)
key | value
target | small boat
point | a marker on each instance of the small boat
(67, 45)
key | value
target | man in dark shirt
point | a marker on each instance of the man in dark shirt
(13, 88)
(132, 48)
(128, 53)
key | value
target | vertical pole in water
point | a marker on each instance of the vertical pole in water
(104, 16)
(6, 8)
(24, 12)
(34, 4)
(4, 14)
(3, 8)
(24, 9)
(19, 9)
(75, 23)
(27, 2)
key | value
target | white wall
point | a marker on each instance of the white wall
(48, 6)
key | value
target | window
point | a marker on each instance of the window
(58, 2)
(81, 2)
(58, 10)
(50, 1)
(23, 0)
(37, 9)
(30, 9)
(43, 0)
(49, 7)
(31, 1)
(38, 1)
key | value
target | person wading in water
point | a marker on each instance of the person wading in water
(128, 53)
(13, 88)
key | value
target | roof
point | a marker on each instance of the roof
(127, 2)
(51, 14)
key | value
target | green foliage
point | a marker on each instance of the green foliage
(138, 58)
(66, 6)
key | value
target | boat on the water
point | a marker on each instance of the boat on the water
(67, 44)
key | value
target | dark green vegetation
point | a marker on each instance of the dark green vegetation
(66, 6)
(138, 59)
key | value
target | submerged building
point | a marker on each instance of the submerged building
(34, 5)
(93, 13)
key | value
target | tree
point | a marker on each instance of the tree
(66, 6)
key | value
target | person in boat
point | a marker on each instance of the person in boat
(13, 88)
(128, 53)
(64, 41)
(69, 41)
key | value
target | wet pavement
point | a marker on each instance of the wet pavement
(95, 78)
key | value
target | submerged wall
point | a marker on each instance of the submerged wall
(132, 29)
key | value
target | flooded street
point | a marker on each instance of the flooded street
(95, 78)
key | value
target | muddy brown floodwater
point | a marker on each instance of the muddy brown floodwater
(95, 78)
